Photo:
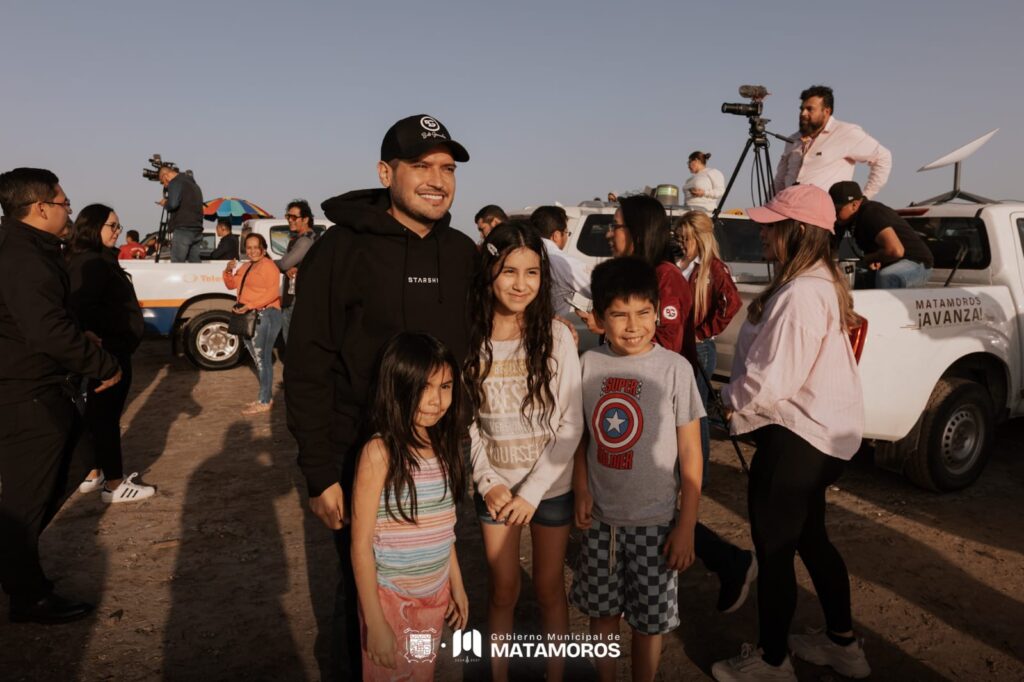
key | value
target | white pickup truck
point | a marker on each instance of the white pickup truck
(940, 365)
(189, 303)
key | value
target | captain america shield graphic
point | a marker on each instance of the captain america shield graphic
(618, 422)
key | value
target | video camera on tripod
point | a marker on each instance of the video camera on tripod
(762, 182)
(756, 95)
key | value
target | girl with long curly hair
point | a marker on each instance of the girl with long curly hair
(523, 378)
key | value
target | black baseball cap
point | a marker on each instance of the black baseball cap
(414, 135)
(844, 192)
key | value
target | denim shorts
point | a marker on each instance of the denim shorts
(554, 512)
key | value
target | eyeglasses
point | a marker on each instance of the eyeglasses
(66, 204)
(617, 226)
(289, 216)
(116, 227)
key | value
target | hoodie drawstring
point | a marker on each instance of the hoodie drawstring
(437, 254)
(405, 277)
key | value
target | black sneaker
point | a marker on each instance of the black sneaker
(49, 610)
(736, 583)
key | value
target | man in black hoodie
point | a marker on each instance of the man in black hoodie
(43, 356)
(391, 263)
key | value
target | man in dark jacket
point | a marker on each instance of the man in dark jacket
(391, 263)
(43, 356)
(227, 247)
(184, 204)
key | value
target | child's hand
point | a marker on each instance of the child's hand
(457, 614)
(679, 548)
(518, 512)
(381, 645)
(590, 321)
(584, 507)
(496, 498)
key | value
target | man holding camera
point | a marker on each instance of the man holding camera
(826, 149)
(184, 204)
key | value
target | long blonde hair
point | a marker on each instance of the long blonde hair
(697, 226)
(799, 248)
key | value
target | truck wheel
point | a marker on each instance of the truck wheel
(956, 436)
(208, 343)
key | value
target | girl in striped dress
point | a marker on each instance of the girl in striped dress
(408, 478)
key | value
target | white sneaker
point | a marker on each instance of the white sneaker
(750, 667)
(815, 647)
(128, 491)
(92, 484)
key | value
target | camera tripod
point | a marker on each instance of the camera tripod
(762, 180)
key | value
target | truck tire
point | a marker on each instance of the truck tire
(956, 436)
(208, 344)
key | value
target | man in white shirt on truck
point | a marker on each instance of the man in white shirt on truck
(826, 150)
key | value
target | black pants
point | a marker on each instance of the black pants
(103, 422)
(718, 555)
(346, 649)
(37, 439)
(786, 500)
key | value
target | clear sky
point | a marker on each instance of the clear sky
(555, 101)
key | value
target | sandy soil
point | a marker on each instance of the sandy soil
(223, 576)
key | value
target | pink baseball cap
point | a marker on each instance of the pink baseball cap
(808, 204)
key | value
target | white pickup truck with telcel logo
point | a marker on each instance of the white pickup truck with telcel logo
(189, 303)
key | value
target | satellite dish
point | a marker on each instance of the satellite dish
(960, 154)
(955, 158)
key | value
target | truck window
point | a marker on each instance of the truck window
(592, 240)
(739, 240)
(279, 236)
(943, 235)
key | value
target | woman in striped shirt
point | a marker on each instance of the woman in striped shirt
(408, 478)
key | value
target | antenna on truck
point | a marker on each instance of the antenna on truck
(956, 157)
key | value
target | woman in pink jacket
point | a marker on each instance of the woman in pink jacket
(795, 388)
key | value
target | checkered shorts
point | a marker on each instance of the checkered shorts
(622, 570)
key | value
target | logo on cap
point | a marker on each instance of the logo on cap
(430, 124)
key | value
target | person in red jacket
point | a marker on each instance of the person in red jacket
(131, 249)
(715, 300)
(640, 228)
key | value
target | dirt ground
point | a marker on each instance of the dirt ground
(223, 576)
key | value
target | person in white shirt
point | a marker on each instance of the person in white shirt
(826, 150)
(568, 274)
(705, 186)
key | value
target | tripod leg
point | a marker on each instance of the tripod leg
(732, 179)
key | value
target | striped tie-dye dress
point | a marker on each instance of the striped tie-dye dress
(413, 558)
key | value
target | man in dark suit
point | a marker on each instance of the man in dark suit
(43, 358)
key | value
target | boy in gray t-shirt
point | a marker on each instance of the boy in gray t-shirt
(641, 455)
